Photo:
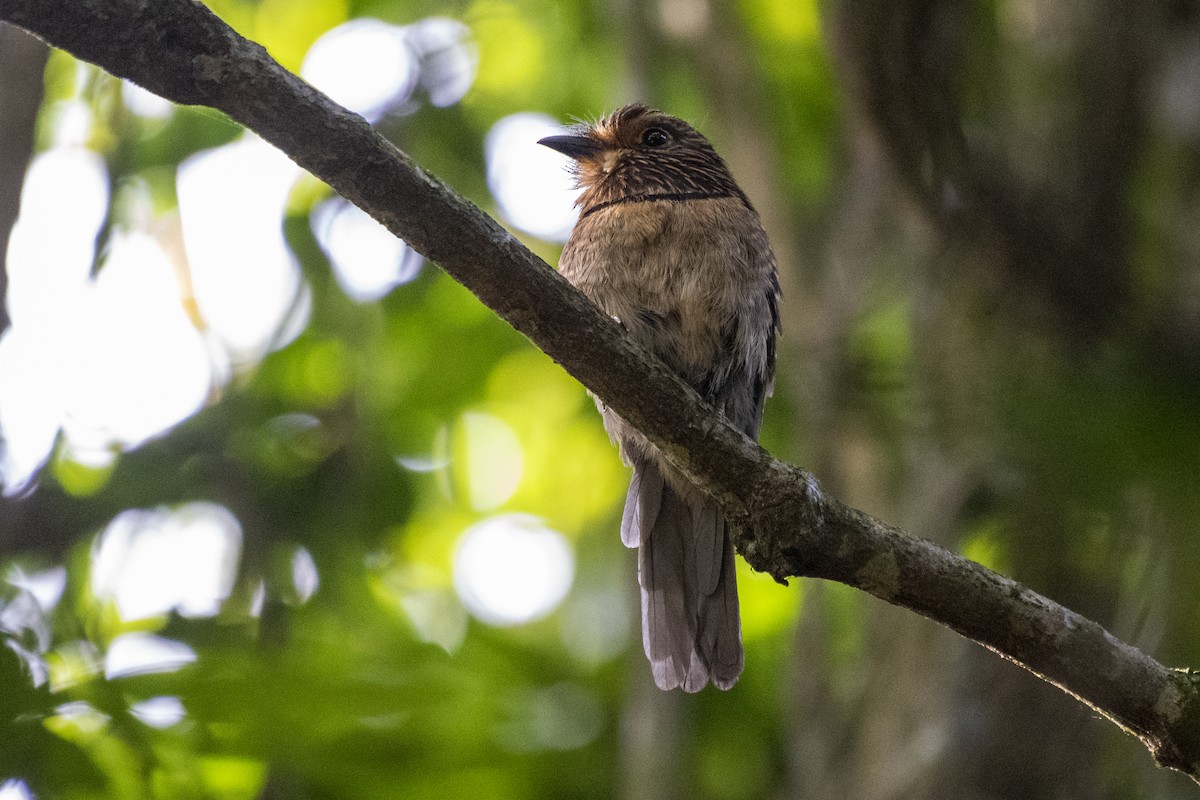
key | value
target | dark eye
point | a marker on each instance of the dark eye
(655, 137)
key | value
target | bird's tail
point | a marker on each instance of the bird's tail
(691, 628)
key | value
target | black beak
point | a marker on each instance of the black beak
(577, 147)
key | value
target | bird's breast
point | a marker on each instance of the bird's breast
(673, 272)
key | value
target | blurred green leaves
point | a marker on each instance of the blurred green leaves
(354, 457)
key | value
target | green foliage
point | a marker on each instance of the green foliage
(911, 379)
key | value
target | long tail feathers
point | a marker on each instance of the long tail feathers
(691, 628)
(720, 634)
(641, 504)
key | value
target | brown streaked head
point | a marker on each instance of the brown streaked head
(638, 153)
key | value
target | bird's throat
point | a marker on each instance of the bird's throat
(655, 197)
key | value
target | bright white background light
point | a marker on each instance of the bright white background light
(368, 261)
(63, 204)
(142, 653)
(140, 365)
(246, 281)
(305, 578)
(110, 360)
(144, 102)
(531, 183)
(512, 569)
(159, 712)
(114, 358)
(152, 562)
(448, 58)
(13, 789)
(46, 587)
(365, 65)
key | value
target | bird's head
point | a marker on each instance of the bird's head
(636, 153)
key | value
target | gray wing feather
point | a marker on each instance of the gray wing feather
(631, 532)
(641, 503)
(666, 572)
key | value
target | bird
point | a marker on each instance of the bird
(669, 245)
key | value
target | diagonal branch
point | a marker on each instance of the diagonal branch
(180, 50)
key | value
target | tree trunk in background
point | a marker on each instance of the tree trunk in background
(936, 716)
(912, 710)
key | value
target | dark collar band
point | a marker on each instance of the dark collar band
(650, 197)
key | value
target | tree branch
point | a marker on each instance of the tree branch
(180, 50)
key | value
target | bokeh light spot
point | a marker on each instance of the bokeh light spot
(159, 712)
(143, 653)
(488, 459)
(531, 183)
(368, 260)
(143, 366)
(365, 65)
(25, 617)
(448, 58)
(64, 201)
(246, 281)
(112, 359)
(15, 789)
(512, 569)
(305, 578)
(154, 561)
(144, 102)
(46, 586)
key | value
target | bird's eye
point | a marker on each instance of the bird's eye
(655, 137)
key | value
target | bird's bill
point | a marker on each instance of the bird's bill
(577, 147)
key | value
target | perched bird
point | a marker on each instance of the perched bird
(670, 246)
